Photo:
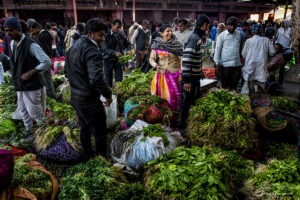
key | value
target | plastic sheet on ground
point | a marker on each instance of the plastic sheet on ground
(131, 148)
(111, 112)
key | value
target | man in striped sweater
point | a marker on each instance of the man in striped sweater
(192, 67)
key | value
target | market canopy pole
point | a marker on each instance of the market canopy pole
(133, 10)
(75, 11)
(286, 8)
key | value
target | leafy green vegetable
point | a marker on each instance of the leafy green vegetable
(197, 173)
(125, 58)
(222, 118)
(7, 126)
(34, 180)
(46, 135)
(284, 104)
(276, 180)
(98, 179)
(138, 83)
(155, 130)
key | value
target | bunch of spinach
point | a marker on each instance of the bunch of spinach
(98, 179)
(197, 173)
(138, 83)
(222, 118)
(276, 180)
(284, 104)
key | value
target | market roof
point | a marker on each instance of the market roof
(275, 2)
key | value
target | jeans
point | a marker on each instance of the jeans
(188, 99)
(109, 67)
(92, 120)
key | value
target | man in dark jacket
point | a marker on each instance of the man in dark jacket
(83, 68)
(27, 60)
(192, 67)
(113, 47)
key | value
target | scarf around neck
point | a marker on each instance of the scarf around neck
(173, 45)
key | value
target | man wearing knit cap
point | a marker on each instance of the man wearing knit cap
(227, 55)
(256, 52)
(27, 61)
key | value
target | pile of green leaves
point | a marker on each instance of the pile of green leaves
(138, 83)
(276, 180)
(34, 180)
(284, 104)
(125, 58)
(62, 111)
(73, 137)
(17, 138)
(46, 135)
(98, 179)
(197, 173)
(222, 118)
(7, 126)
(155, 130)
(8, 99)
(280, 151)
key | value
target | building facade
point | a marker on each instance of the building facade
(62, 11)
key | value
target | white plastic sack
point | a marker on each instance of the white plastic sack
(132, 149)
(111, 112)
(245, 88)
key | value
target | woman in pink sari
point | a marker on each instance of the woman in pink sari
(165, 57)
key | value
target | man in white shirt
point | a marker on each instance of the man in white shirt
(256, 52)
(183, 33)
(227, 55)
(284, 34)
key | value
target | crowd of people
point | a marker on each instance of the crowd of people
(242, 52)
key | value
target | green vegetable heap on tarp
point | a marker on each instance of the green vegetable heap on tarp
(142, 143)
(222, 118)
(138, 83)
(98, 179)
(149, 108)
(34, 180)
(276, 180)
(197, 173)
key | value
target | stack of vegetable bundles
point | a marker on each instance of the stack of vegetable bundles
(142, 143)
(149, 108)
(98, 179)
(197, 173)
(138, 83)
(275, 180)
(222, 118)
(32, 176)
(58, 143)
(8, 100)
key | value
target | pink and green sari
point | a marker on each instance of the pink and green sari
(167, 87)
